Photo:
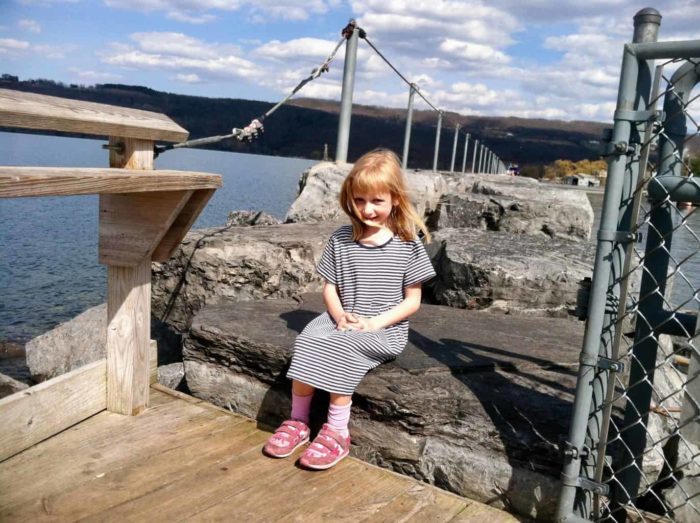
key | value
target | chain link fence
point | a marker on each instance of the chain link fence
(633, 452)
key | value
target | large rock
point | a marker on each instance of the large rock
(83, 340)
(241, 263)
(540, 209)
(515, 213)
(70, 345)
(479, 269)
(475, 404)
(9, 385)
(319, 188)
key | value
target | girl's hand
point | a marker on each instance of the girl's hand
(348, 321)
(363, 324)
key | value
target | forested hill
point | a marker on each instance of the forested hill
(302, 128)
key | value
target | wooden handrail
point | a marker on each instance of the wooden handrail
(36, 111)
(16, 182)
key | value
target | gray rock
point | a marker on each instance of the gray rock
(554, 212)
(83, 340)
(684, 500)
(474, 404)
(319, 188)
(9, 385)
(502, 203)
(251, 218)
(241, 263)
(70, 345)
(172, 375)
(487, 269)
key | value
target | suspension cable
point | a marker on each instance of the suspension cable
(251, 131)
(398, 73)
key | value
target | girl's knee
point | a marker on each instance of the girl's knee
(302, 389)
(340, 399)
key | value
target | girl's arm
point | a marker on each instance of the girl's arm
(330, 297)
(332, 301)
(409, 305)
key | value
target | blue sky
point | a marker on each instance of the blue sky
(540, 58)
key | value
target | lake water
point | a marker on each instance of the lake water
(48, 259)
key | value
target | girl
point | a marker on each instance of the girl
(373, 272)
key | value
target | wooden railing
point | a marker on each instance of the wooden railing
(143, 216)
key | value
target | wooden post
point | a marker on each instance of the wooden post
(128, 305)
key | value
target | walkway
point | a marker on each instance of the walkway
(184, 459)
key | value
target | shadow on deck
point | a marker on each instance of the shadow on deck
(185, 459)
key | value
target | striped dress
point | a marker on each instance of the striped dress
(370, 281)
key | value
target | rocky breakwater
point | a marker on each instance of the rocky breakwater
(476, 403)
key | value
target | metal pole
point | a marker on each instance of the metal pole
(474, 151)
(341, 151)
(464, 157)
(437, 141)
(454, 149)
(482, 154)
(574, 501)
(409, 120)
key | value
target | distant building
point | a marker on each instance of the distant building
(584, 180)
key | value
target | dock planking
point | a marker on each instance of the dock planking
(183, 459)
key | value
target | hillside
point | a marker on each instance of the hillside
(301, 128)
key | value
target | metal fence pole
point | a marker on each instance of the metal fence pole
(464, 156)
(482, 154)
(341, 151)
(437, 141)
(409, 121)
(575, 501)
(653, 286)
(454, 149)
(474, 153)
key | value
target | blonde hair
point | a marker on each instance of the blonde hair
(380, 171)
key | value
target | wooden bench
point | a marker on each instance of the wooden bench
(143, 216)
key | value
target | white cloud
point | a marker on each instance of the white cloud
(188, 78)
(187, 55)
(11, 43)
(184, 16)
(93, 76)
(472, 52)
(30, 25)
(198, 11)
(55, 51)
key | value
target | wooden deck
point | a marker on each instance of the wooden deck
(184, 459)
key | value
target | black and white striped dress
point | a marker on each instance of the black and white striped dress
(370, 281)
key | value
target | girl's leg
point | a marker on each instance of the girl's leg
(301, 401)
(339, 413)
(295, 432)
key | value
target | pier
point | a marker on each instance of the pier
(104, 442)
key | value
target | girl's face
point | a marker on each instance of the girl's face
(374, 207)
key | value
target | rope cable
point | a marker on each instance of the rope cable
(398, 73)
(251, 131)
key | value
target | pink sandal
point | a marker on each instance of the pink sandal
(327, 449)
(287, 438)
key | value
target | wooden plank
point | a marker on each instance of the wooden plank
(111, 483)
(153, 363)
(420, 502)
(102, 443)
(182, 224)
(132, 225)
(17, 182)
(198, 488)
(128, 337)
(36, 111)
(43, 410)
